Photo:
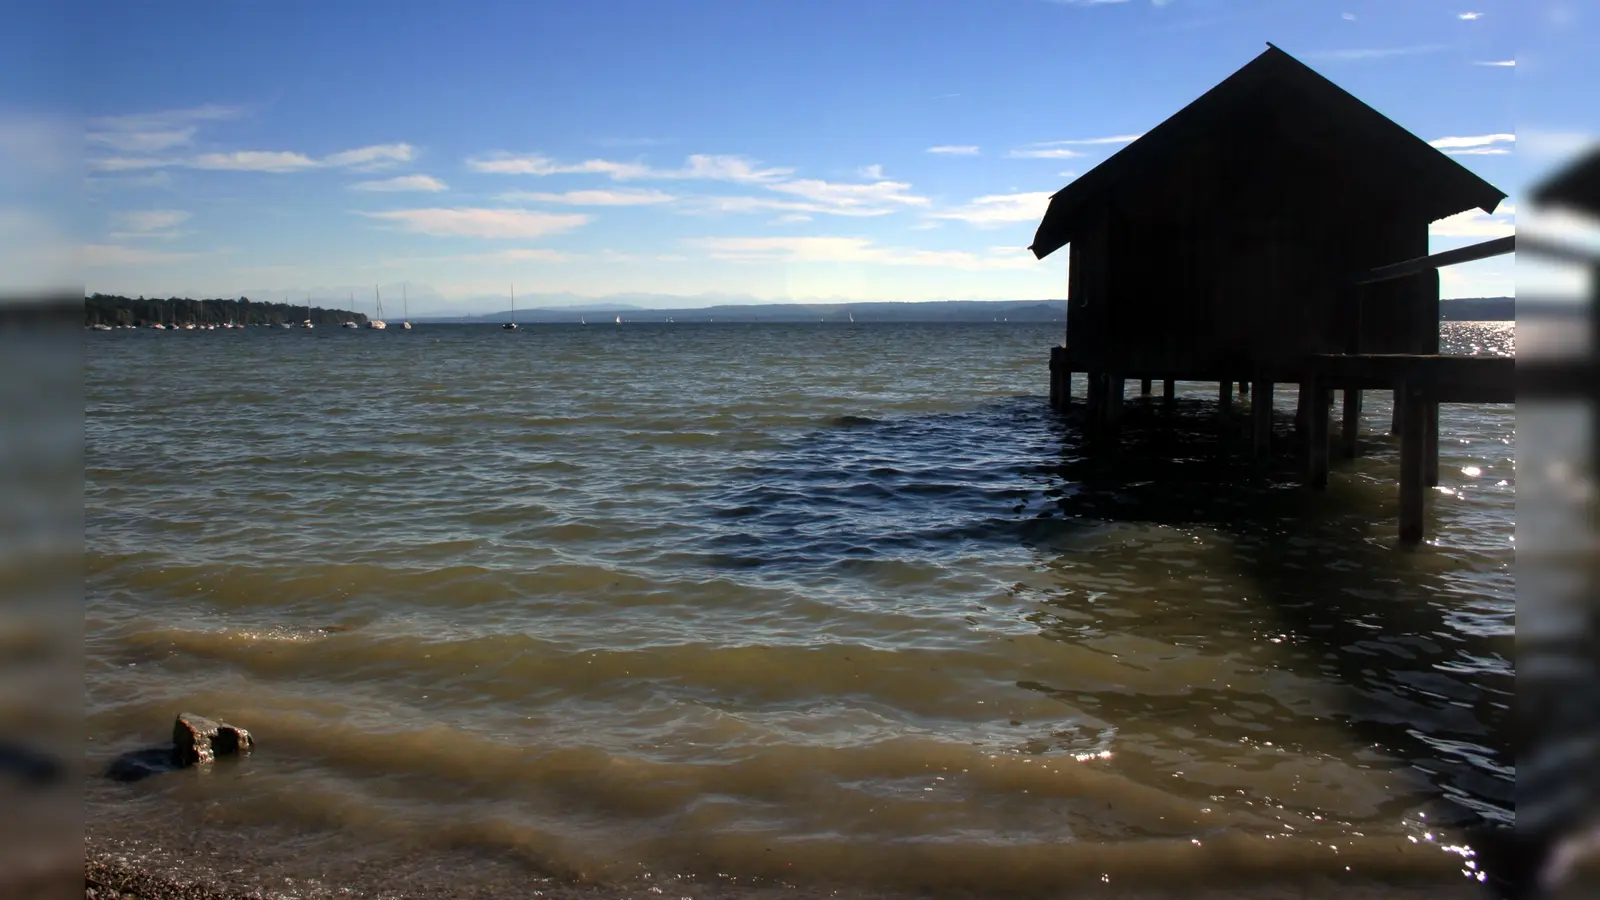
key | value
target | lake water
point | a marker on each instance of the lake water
(687, 608)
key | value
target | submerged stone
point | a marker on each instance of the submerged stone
(197, 739)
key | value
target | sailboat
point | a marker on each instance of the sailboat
(308, 312)
(352, 324)
(378, 323)
(405, 309)
(619, 319)
(512, 325)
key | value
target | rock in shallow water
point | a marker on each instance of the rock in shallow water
(197, 739)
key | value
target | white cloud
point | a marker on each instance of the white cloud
(148, 222)
(377, 156)
(1503, 63)
(593, 198)
(838, 196)
(1475, 223)
(402, 183)
(1045, 153)
(253, 161)
(96, 256)
(274, 161)
(1000, 209)
(482, 223)
(954, 150)
(1475, 145)
(699, 166)
(153, 132)
(1469, 16)
(1076, 142)
(871, 173)
(791, 219)
(800, 250)
(1348, 17)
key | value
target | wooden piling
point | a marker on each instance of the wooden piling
(1115, 388)
(1169, 388)
(1056, 401)
(1316, 433)
(1094, 400)
(1430, 443)
(1261, 419)
(1224, 399)
(1244, 388)
(1302, 403)
(1413, 432)
(1144, 387)
(1350, 428)
(1394, 411)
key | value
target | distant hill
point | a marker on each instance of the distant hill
(910, 311)
(1481, 309)
(1478, 309)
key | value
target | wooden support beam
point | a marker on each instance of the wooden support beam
(1394, 411)
(1056, 401)
(1144, 387)
(1413, 427)
(1316, 434)
(1095, 400)
(1350, 430)
(1302, 403)
(1244, 388)
(1224, 399)
(1169, 388)
(1484, 250)
(1261, 419)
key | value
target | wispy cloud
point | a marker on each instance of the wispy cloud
(1045, 153)
(530, 254)
(95, 256)
(954, 150)
(700, 166)
(871, 173)
(1374, 53)
(592, 198)
(369, 158)
(1476, 224)
(147, 223)
(791, 219)
(802, 250)
(482, 223)
(1084, 2)
(1348, 17)
(403, 183)
(835, 196)
(1475, 145)
(154, 132)
(1063, 149)
(999, 209)
(1505, 63)
(1469, 16)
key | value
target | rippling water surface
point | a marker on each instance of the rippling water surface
(827, 605)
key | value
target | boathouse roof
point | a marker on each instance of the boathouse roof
(1433, 184)
(1575, 187)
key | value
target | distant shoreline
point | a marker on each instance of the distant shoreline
(117, 310)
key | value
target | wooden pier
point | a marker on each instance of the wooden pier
(1273, 232)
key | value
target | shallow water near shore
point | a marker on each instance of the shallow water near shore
(847, 608)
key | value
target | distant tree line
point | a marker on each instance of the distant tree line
(110, 309)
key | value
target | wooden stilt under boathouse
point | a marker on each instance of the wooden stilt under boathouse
(1274, 231)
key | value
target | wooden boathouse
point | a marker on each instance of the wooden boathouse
(1273, 231)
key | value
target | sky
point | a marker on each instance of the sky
(768, 149)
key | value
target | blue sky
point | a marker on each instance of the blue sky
(767, 148)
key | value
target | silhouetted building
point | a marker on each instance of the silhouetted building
(1218, 246)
